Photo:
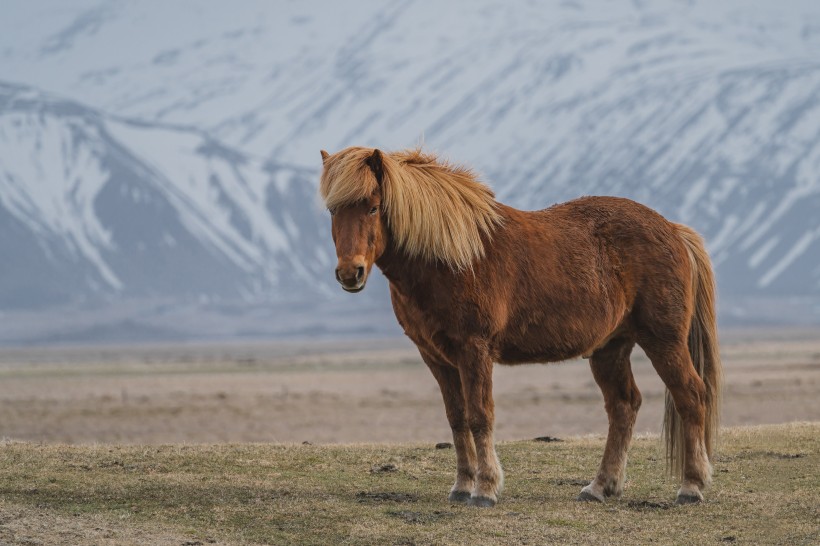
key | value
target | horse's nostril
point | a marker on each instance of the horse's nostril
(338, 278)
(359, 273)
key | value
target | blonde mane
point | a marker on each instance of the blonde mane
(434, 210)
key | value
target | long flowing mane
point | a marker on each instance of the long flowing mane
(434, 210)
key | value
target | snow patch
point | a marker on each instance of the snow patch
(802, 244)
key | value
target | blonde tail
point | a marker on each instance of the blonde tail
(704, 350)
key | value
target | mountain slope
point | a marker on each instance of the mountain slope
(95, 206)
(180, 146)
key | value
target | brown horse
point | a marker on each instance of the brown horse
(475, 282)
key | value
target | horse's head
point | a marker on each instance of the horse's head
(358, 225)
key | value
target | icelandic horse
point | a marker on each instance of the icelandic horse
(473, 282)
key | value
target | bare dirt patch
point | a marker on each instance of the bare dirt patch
(26, 525)
(367, 391)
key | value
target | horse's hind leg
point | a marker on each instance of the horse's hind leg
(449, 382)
(613, 373)
(674, 364)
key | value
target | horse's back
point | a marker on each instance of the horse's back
(588, 269)
(630, 240)
(649, 256)
(610, 217)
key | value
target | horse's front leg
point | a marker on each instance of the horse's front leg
(450, 384)
(476, 371)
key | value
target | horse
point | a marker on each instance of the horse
(474, 282)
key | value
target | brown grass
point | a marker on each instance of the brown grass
(765, 491)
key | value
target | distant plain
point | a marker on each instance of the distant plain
(356, 390)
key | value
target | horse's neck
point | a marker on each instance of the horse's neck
(394, 265)
(413, 274)
(406, 273)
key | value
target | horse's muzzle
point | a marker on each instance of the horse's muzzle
(352, 278)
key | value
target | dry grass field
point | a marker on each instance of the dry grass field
(764, 492)
(200, 444)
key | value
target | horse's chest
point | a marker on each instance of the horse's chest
(437, 315)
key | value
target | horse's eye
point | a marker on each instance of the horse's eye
(374, 210)
(332, 212)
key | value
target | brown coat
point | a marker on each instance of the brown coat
(474, 282)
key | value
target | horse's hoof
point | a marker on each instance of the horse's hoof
(481, 502)
(459, 496)
(688, 499)
(586, 496)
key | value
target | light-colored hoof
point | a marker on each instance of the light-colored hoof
(588, 494)
(687, 498)
(689, 494)
(459, 496)
(481, 502)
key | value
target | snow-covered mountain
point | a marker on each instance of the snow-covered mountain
(169, 151)
(94, 205)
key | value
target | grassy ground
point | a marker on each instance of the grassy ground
(765, 491)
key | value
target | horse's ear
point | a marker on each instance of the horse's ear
(376, 165)
(325, 155)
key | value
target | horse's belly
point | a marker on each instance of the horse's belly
(550, 342)
(516, 355)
